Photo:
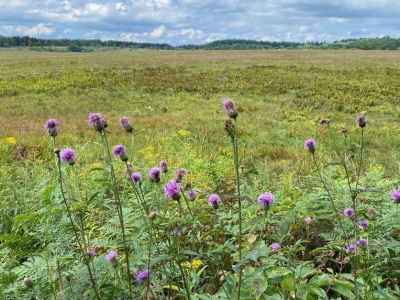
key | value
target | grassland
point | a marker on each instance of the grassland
(282, 94)
(174, 101)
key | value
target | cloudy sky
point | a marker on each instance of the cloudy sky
(198, 21)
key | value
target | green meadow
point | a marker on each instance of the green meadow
(174, 101)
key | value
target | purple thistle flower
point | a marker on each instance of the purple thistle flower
(361, 120)
(266, 200)
(363, 224)
(180, 173)
(136, 177)
(51, 126)
(192, 194)
(363, 243)
(230, 109)
(120, 151)
(154, 174)
(164, 166)
(112, 257)
(351, 248)
(395, 195)
(97, 121)
(125, 123)
(172, 190)
(68, 156)
(310, 145)
(275, 247)
(214, 200)
(142, 276)
(349, 212)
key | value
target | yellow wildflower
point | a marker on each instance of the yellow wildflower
(184, 133)
(10, 140)
(196, 263)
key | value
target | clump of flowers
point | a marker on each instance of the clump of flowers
(164, 166)
(136, 177)
(112, 257)
(266, 200)
(125, 123)
(97, 121)
(214, 200)
(142, 276)
(68, 156)
(275, 247)
(120, 152)
(395, 195)
(230, 108)
(172, 190)
(51, 126)
(349, 213)
(154, 174)
(310, 145)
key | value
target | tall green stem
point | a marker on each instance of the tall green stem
(119, 210)
(71, 220)
(239, 238)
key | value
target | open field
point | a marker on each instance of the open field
(173, 99)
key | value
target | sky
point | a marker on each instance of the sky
(180, 22)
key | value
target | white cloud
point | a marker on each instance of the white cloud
(158, 32)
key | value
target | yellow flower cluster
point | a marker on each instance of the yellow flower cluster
(195, 264)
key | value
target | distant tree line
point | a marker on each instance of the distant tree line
(78, 45)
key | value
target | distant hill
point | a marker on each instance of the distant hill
(78, 45)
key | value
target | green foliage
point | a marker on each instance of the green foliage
(177, 117)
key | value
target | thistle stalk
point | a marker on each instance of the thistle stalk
(71, 220)
(118, 204)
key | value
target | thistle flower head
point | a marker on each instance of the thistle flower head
(136, 177)
(142, 276)
(164, 166)
(51, 126)
(363, 243)
(371, 212)
(97, 121)
(395, 195)
(125, 123)
(361, 120)
(349, 212)
(275, 247)
(266, 200)
(154, 174)
(112, 257)
(351, 248)
(172, 190)
(192, 194)
(230, 128)
(28, 282)
(214, 200)
(180, 173)
(230, 108)
(310, 145)
(120, 152)
(68, 156)
(363, 224)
